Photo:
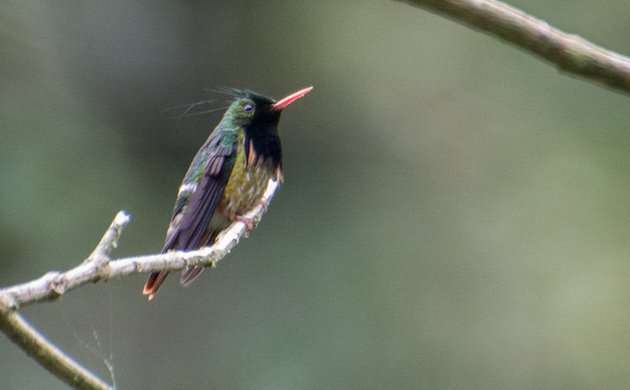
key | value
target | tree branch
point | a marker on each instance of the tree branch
(47, 354)
(567, 52)
(98, 267)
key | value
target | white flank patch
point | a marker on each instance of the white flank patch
(188, 187)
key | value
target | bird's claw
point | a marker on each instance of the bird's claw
(249, 222)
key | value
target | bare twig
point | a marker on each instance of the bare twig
(98, 268)
(110, 238)
(54, 283)
(568, 52)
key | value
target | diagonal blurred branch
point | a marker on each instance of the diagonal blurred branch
(48, 355)
(568, 52)
(98, 267)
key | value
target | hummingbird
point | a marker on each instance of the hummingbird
(227, 177)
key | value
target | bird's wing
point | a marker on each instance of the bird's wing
(196, 204)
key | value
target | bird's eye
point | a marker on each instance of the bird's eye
(248, 108)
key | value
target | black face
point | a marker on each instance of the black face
(261, 128)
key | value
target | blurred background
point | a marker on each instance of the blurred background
(455, 213)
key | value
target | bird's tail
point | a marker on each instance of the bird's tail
(190, 275)
(153, 284)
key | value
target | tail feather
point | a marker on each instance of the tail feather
(153, 284)
(191, 274)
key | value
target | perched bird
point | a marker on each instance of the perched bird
(227, 177)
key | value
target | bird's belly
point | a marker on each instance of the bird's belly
(244, 189)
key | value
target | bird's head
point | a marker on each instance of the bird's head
(258, 116)
(259, 113)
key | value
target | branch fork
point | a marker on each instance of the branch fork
(99, 267)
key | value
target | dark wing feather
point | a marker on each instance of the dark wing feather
(191, 231)
(194, 231)
(194, 209)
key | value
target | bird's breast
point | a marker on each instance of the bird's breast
(245, 186)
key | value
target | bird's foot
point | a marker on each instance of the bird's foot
(249, 222)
